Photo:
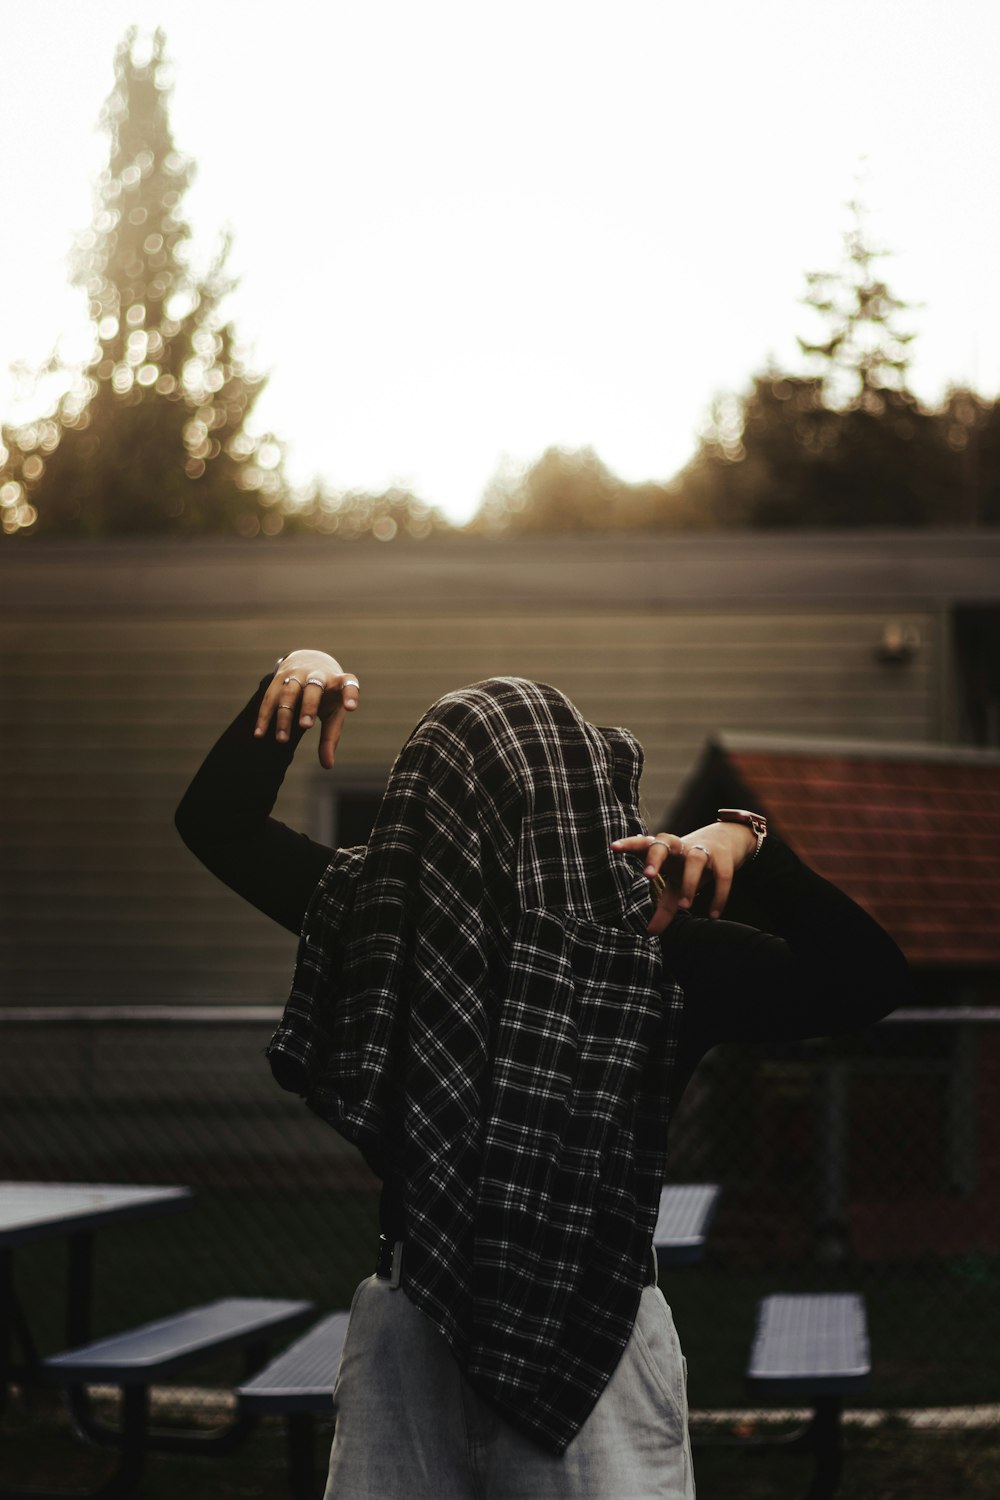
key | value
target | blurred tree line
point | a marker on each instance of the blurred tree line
(154, 435)
(847, 444)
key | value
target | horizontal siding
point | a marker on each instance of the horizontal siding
(103, 721)
(690, 574)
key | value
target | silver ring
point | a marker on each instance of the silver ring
(353, 682)
(315, 682)
(704, 851)
(285, 705)
(286, 680)
(653, 843)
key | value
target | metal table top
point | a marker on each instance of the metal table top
(685, 1217)
(42, 1210)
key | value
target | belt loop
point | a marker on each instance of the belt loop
(397, 1265)
(389, 1261)
(654, 1267)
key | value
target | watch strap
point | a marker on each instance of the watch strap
(756, 822)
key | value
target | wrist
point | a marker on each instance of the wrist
(754, 824)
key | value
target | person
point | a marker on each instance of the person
(499, 1000)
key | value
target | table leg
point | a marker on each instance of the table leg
(6, 1321)
(79, 1297)
(80, 1289)
(13, 1329)
(301, 1458)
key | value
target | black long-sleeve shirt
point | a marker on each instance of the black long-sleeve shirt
(824, 966)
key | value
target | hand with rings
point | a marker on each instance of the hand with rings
(310, 685)
(677, 868)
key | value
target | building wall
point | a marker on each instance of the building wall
(122, 664)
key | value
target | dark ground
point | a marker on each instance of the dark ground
(887, 1462)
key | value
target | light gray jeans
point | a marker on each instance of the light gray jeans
(410, 1428)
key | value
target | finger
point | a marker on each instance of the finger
(658, 851)
(312, 696)
(346, 689)
(288, 701)
(666, 910)
(638, 843)
(330, 735)
(276, 693)
(723, 885)
(662, 863)
(696, 862)
(350, 690)
(284, 716)
(662, 867)
(266, 709)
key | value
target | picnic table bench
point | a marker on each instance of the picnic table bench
(811, 1347)
(135, 1359)
(683, 1222)
(299, 1385)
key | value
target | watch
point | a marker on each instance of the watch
(756, 822)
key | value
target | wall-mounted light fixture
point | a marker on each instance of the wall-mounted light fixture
(899, 643)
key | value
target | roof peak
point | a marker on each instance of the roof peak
(741, 742)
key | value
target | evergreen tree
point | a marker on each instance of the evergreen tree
(847, 444)
(150, 437)
(780, 456)
(574, 491)
(864, 353)
(380, 517)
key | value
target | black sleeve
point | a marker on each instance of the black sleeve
(824, 966)
(224, 819)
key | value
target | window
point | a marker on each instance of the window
(346, 813)
(977, 661)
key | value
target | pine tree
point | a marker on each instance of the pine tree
(846, 444)
(567, 490)
(150, 437)
(865, 353)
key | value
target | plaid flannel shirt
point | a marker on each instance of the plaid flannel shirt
(477, 1003)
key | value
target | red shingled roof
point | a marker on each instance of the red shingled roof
(911, 832)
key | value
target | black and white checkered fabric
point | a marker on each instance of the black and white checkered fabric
(476, 1002)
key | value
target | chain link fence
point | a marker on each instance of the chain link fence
(868, 1163)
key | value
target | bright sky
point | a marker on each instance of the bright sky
(466, 232)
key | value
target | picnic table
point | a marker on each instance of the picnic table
(33, 1211)
(136, 1358)
(298, 1385)
(685, 1218)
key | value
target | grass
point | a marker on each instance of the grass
(935, 1328)
(935, 1325)
(886, 1462)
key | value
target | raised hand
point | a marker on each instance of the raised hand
(313, 686)
(677, 866)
